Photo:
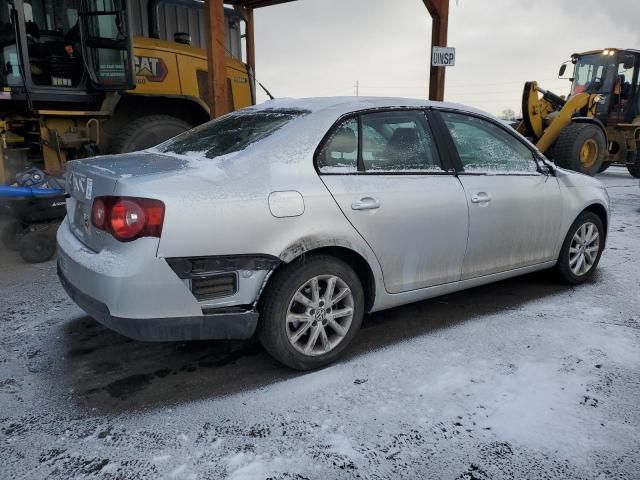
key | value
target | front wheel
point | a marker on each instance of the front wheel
(581, 249)
(581, 147)
(634, 168)
(311, 311)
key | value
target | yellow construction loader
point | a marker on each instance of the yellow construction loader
(598, 124)
(82, 77)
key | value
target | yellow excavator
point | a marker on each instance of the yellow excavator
(598, 124)
(83, 77)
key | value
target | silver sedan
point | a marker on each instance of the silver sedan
(293, 219)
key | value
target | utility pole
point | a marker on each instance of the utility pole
(439, 10)
(357, 88)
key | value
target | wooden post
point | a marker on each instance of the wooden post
(217, 58)
(439, 10)
(251, 46)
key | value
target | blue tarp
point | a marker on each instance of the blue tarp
(13, 192)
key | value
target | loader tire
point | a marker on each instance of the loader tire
(581, 147)
(146, 132)
(634, 168)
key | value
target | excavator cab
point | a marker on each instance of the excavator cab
(56, 51)
(613, 75)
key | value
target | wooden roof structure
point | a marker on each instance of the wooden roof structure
(438, 9)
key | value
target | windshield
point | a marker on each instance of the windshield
(9, 68)
(594, 74)
(228, 134)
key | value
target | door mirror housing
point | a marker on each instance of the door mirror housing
(563, 68)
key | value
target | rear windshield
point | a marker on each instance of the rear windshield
(228, 134)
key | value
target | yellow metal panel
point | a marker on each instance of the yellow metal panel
(189, 67)
(561, 120)
(156, 72)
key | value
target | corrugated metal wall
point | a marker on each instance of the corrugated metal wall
(177, 18)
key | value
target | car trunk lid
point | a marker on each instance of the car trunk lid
(96, 177)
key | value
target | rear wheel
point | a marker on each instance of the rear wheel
(37, 247)
(634, 168)
(146, 132)
(582, 248)
(12, 233)
(581, 147)
(311, 312)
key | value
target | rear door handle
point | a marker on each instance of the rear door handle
(366, 203)
(480, 197)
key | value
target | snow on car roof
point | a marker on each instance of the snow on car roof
(349, 104)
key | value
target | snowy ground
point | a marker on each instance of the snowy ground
(521, 379)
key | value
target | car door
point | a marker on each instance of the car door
(515, 207)
(385, 173)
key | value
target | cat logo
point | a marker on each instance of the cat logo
(153, 69)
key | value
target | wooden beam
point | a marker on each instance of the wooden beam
(251, 45)
(217, 58)
(439, 10)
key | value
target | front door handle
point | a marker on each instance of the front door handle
(480, 197)
(366, 203)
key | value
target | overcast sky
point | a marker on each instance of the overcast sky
(322, 47)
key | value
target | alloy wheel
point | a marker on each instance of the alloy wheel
(584, 248)
(320, 315)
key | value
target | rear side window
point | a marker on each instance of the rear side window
(340, 151)
(486, 148)
(394, 141)
(228, 134)
(397, 141)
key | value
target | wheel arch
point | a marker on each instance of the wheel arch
(601, 212)
(348, 255)
(189, 109)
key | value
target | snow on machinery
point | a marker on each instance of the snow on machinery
(599, 123)
(81, 77)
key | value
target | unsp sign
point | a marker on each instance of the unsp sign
(443, 56)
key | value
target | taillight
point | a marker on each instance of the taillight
(98, 213)
(128, 218)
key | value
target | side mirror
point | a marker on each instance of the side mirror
(563, 68)
(628, 62)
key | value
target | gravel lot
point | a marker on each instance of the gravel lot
(526, 378)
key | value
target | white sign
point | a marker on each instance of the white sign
(443, 57)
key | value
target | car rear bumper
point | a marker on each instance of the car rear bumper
(138, 295)
(228, 325)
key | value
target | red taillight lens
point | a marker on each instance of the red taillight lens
(128, 218)
(98, 213)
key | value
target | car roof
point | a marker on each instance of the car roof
(344, 105)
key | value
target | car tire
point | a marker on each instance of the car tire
(146, 132)
(37, 247)
(634, 168)
(572, 268)
(12, 233)
(604, 166)
(288, 340)
(574, 141)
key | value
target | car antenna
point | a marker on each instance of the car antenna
(271, 97)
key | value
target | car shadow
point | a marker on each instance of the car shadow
(109, 373)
